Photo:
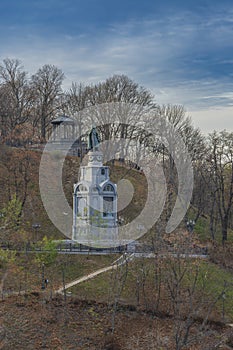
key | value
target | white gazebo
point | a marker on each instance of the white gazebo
(65, 134)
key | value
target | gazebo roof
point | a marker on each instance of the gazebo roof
(63, 119)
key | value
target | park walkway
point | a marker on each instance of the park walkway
(121, 261)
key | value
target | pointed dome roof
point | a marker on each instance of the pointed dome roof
(63, 119)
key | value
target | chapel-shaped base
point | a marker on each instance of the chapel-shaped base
(95, 205)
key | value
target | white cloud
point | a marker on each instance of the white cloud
(213, 119)
(166, 55)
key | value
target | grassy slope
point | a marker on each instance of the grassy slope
(211, 282)
(12, 173)
(78, 266)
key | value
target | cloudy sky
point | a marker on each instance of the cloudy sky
(181, 50)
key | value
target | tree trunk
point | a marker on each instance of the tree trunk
(43, 128)
(224, 231)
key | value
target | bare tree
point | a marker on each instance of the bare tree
(120, 88)
(75, 102)
(15, 96)
(46, 84)
(118, 279)
(190, 299)
(120, 106)
(166, 122)
(221, 161)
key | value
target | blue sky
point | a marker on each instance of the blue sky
(181, 50)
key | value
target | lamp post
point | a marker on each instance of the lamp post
(43, 279)
(36, 227)
(190, 225)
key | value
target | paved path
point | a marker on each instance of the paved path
(122, 260)
(165, 255)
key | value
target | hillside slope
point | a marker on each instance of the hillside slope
(19, 174)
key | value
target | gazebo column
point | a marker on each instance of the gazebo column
(54, 132)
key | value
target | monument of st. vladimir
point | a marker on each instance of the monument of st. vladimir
(95, 200)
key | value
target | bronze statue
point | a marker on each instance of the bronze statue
(93, 139)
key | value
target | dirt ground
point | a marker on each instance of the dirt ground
(36, 321)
